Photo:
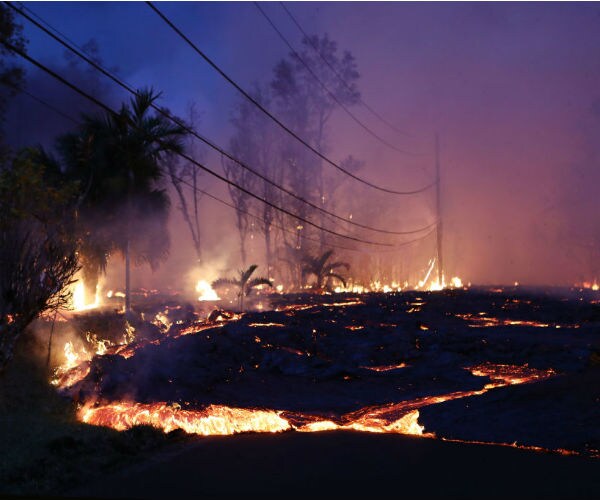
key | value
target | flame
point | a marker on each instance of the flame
(78, 299)
(100, 345)
(73, 358)
(74, 368)
(162, 321)
(206, 291)
(590, 285)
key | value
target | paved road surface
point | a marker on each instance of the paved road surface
(349, 464)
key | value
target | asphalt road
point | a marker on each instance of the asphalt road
(351, 465)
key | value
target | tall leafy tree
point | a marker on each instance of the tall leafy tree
(118, 159)
(11, 74)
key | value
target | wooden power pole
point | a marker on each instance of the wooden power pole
(440, 255)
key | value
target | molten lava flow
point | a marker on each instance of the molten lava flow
(481, 321)
(510, 374)
(407, 424)
(206, 291)
(214, 420)
(385, 368)
(257, 325)
(399, 418)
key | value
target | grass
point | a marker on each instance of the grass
(45, 450)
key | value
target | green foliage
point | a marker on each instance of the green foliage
(37, 248)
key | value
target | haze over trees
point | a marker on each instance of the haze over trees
(306, 107)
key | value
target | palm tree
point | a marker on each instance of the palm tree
(323, 269)
(118, 159)
(244, 283)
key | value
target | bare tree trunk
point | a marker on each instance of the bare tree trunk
(243, 231)
(128, 245)
(320, 183)
(127, 277)
(194, 225)
(197, 216)
(50, 338)
(268, 249)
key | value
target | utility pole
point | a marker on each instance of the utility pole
(440, 255)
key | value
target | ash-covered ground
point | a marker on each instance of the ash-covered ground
(330, 355)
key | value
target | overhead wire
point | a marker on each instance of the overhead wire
(71, 46)
(282, 228)
(41, 101)
(109, 110)
(202, 191)
(277, 120)
(335, 98)
(336, 72)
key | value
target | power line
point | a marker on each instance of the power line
(336, 72)
(281, 228)
(274, 118)
(107, 108)
(210, 195)
(191, 131)
(325, 88)
(41, 101)
(250, 214)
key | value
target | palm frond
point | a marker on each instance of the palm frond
(257, 282)
(338, 277)
(221, 282)
(245, 275)
(324, 258)
(335, 265)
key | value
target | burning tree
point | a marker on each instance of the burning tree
(323, 269)
(37, 252)
(243, 283)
